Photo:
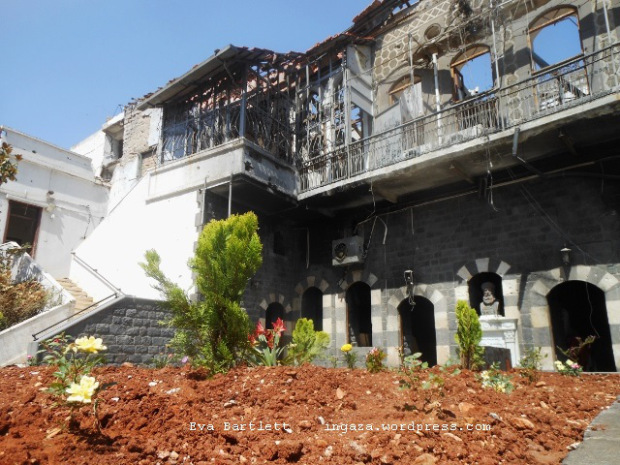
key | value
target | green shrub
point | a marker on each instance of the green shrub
(18, 300)
(468, 336)
(307, 343)
(213, 332)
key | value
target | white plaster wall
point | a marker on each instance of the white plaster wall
(75, 208)
(93, 147)
(132, 228)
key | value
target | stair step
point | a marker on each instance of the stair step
(82, 299)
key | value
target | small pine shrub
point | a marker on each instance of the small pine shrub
(307, 343)
(468, 336)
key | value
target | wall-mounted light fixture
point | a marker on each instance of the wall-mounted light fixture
(408, 275)
(566, 255)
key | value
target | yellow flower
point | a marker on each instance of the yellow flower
(347, 348)
(88, 344)
(84, 391)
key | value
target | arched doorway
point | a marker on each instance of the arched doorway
(486, 280)
(417, 329)
(312, 307)
(274, 311)
(359, 321)
(578, 310)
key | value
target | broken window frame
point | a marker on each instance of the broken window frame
(460, 92)
(564, 80)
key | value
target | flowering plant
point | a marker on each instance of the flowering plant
(568, 368)
(496, 380)
(374, 360)
(350, 357)
(264, 342)
(74, 362)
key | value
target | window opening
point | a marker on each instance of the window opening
(472, 72)
(562, 84)
(558, 26)
(23, 224)
(417, 329)
(312, 307)
(359, 320)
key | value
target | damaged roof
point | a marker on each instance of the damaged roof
(223, 60)
(220, 62)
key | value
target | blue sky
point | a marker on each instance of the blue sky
(67, 65)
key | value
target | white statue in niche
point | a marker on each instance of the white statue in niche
(489, 305)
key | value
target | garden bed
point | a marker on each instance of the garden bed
(306, 415)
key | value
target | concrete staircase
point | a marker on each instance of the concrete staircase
(82, 299)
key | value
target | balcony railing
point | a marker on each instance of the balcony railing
(548, 91)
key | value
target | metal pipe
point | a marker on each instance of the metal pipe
(230, 196)
(437, 96)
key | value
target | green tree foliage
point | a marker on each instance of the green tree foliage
(307, 343)
(8, 167)
(18, 300)
(468, 336)
(213, 332)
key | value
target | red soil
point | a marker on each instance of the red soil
(155, 417)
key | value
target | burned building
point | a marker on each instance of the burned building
(433, 152)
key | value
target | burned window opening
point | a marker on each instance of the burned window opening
(560, 25)
(557, 85)
(472, 72)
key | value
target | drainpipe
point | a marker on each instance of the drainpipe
(230, 195)
(497, 76)
(411, 76)
(437, 97)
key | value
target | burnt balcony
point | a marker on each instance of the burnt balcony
(576, 89)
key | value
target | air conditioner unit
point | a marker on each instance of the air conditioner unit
(348, 250)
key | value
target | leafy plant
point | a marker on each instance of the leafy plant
(531, 364)
(18, 300)
(214, 331)
(568, 368)
(579, 350)
(468, 336)
(374, 360)
(350, 357)
(412, 368)
(74, 362)
(264, 342)
(493, 378)
(8, 163)
(307, 344)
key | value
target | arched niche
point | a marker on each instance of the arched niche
(312, 307)
(417, 329)
(359, 321)
(577, 309)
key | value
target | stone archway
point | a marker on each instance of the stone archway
(540, 312)
(440, 307)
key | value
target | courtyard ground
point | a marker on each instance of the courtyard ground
(306, 415)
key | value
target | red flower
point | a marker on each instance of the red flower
(278, 326)
(270, 339)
